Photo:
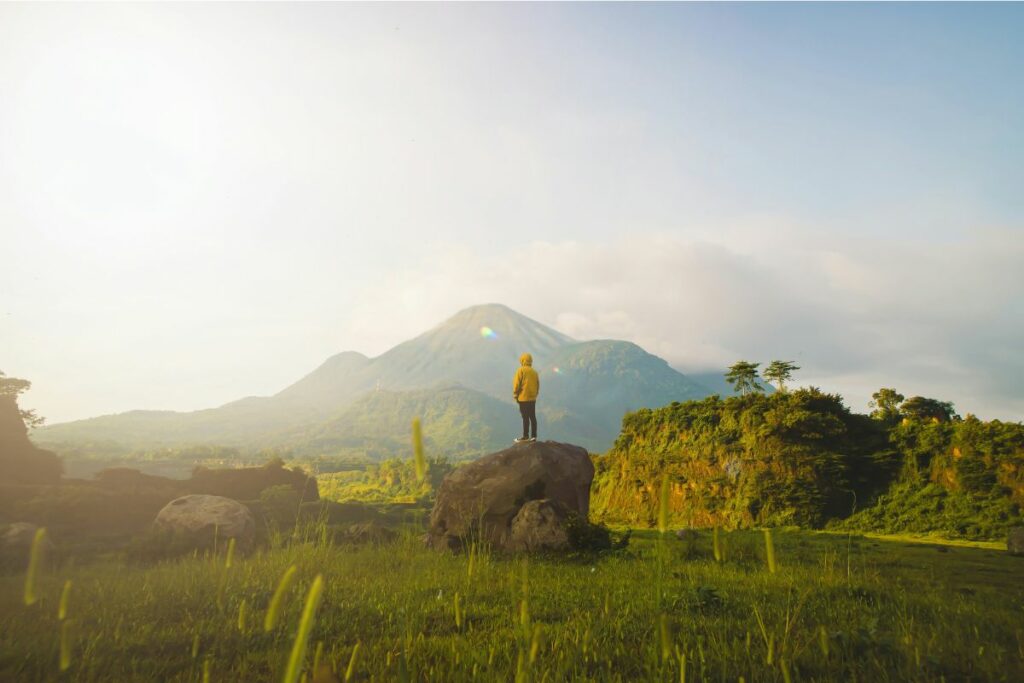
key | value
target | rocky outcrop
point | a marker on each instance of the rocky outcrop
(204, 517)
(21, 462)
(480, 500)
(246, 483)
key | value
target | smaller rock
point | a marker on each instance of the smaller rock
(204, 516)
(16, 543)
(19, 536)
(540, 525)
(370, 532)
(1015, 541)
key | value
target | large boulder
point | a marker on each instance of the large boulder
(204, 517)
(480, 500)
(1015, 541)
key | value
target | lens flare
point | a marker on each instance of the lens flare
(488, 333)
(556, 370)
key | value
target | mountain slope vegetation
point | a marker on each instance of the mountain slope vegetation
(803, 458)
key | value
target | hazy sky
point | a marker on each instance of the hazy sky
(203, 202)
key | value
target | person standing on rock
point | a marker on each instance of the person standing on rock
(525, 387)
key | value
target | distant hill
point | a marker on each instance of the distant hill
(457, 422)
(456, 376)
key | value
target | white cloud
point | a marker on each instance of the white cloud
(939, 319)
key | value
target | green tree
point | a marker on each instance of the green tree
(886, 403)
(14, 387)
(743, 377)
(780, 372)
(921, 408)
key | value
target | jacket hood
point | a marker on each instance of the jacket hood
(526, 359)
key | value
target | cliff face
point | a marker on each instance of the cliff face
(794, 458)
(21, 462)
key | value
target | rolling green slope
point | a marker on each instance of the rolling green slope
(457, 422)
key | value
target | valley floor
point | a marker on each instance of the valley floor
(837, 607)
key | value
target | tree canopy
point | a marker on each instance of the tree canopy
(921, 408)
(886, 403)
(780, 372)
(743, 377)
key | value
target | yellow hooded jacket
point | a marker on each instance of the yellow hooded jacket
(526, 384)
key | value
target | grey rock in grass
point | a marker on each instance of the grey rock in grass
(206, 516)
(539, 525)
(480, 500)
(688, 536)
(370, 532)
(18, 536)
(1015, 541)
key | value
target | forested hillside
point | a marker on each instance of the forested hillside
(803, 458)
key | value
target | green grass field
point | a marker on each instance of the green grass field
(836, 608)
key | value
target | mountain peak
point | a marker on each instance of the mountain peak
(497, 321)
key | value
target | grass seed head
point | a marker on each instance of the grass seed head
(274, 610)
(65, 598)
(35, 561)
(417, 449)
(305, 626)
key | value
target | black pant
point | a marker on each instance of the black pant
(528, 409)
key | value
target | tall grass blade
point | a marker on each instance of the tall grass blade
(305, 626)
(65, 599)
(317, 656)
(417, 450)
(521, 671)
(524, 618)
(351, 669)
(665, 637)
(35, 561)
(274, 610)
(66, 644)
(717, 544)
(229, 560)
(534, 644)
(769, 549)
(785, 671)
(663, 506)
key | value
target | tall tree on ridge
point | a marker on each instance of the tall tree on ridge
(742, 376)
(780, 372)
(886, 403)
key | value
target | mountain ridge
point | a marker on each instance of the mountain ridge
(586, 386)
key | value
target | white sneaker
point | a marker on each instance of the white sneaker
(520, 441)
(532, 439)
